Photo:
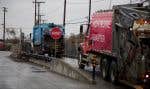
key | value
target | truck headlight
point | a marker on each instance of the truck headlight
(147, 76)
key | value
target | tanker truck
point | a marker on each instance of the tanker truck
(47, 40)
(120, 41)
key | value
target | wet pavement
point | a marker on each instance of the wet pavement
(17, 75)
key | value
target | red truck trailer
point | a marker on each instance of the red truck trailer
(2, 45)
(120, 39)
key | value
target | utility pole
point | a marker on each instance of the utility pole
(43, 20)
(37, 13)
(20, 43)
(64, 24)
(64, 18)
(130, 1)
(40, 18)
(149, 3)
(89, 19)
(4, 23)
(39, 3)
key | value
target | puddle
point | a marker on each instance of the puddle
(37, 70)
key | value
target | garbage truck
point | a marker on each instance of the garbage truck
(120, 40)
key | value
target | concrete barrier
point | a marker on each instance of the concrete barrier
(61, 67)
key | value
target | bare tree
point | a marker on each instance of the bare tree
(11, 33)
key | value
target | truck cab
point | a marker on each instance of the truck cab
(141, 29)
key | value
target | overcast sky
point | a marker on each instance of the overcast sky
(21, 12)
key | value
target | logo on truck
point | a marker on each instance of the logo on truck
(102, 23)
(98, 37)
(101, 31)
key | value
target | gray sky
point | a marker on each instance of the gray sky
(21, 12)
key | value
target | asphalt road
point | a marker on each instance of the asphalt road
(17, 75)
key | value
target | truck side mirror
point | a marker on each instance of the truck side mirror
(81, 29)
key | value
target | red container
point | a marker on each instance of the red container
(2, 46)
(101, 31)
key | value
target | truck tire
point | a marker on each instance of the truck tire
(81, 66)
(113, 72)
(104, 69)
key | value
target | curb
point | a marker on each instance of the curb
(63, 68)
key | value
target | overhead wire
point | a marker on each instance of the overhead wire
(72, 21)
(77, 19)
(55, 10)
(85, 2)
(76, 22)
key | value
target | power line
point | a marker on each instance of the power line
(85, 2)
(40, 18)
(76, 22)
(77, 19)
(37, 13)
(54, 10)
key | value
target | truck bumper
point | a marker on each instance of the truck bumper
(146, 83)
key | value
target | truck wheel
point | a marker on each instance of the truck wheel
(81, 66)
(113, 72)
(104, 69)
